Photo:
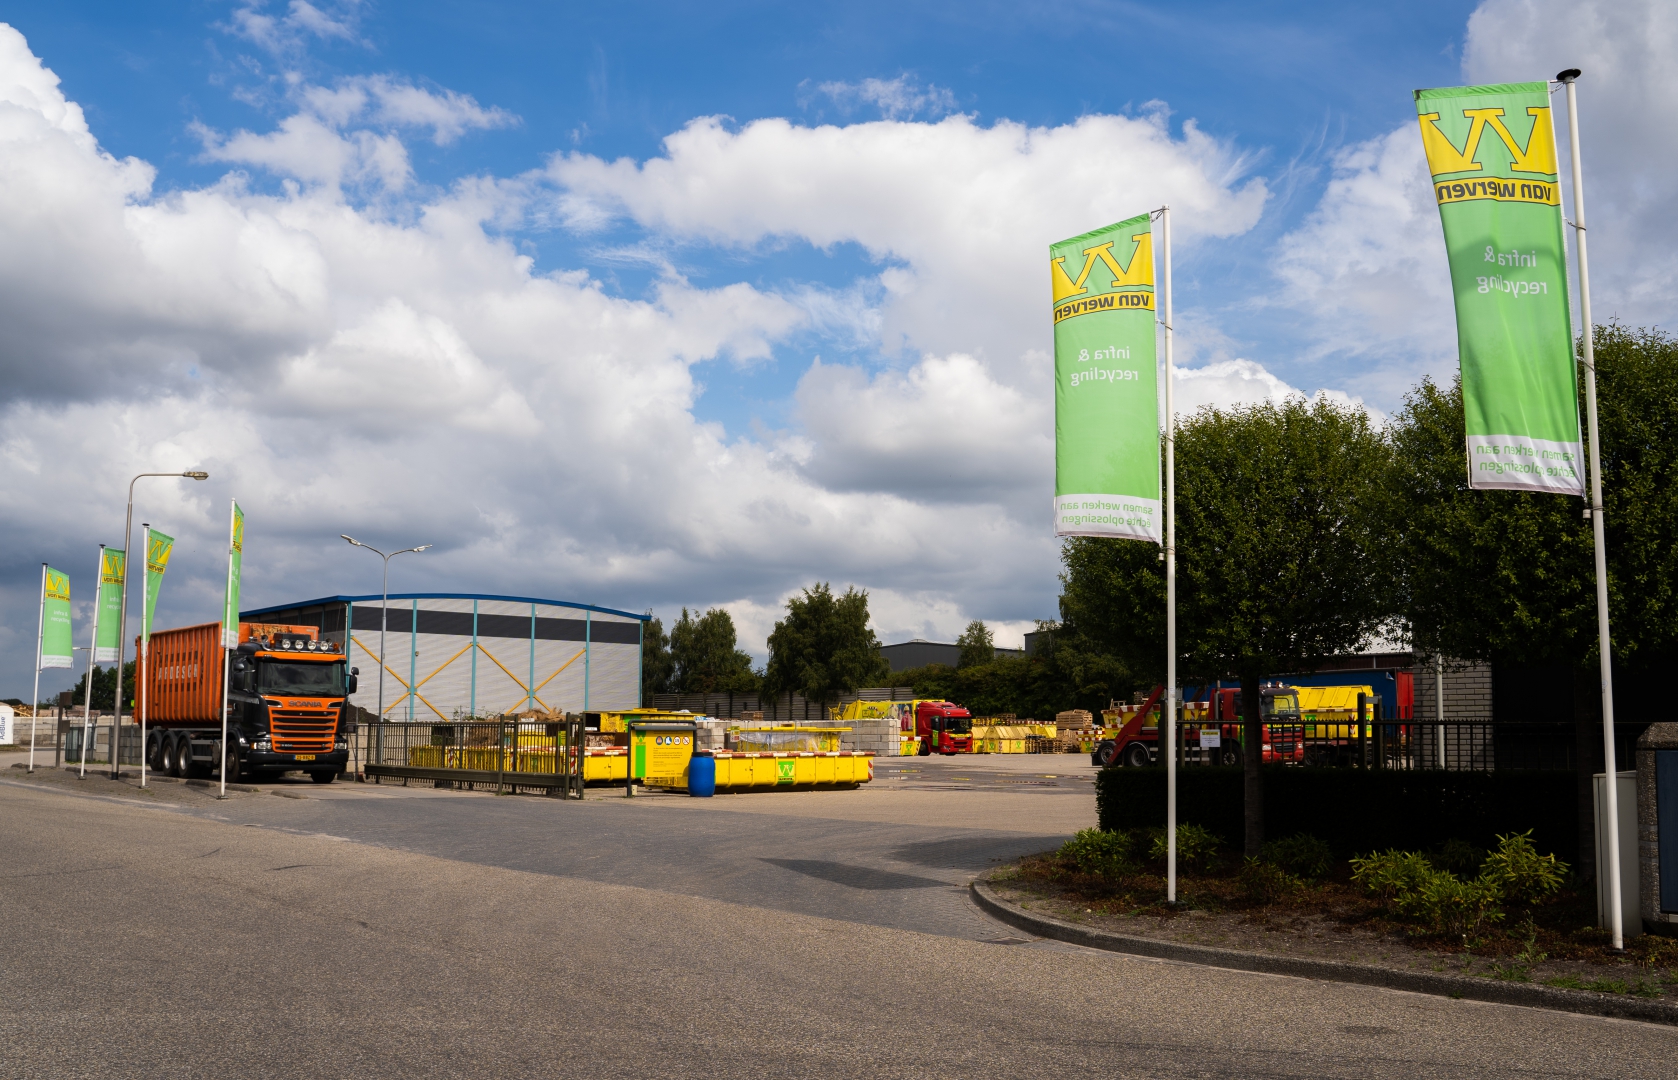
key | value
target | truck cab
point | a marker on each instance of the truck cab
(943, 728)
(287, 692)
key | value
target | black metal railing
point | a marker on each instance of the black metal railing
(511, 754)
(1453, 745)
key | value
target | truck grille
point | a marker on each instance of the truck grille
(302, 731)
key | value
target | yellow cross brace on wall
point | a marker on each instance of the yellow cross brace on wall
(530, 694)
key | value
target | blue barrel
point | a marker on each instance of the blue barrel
(702, 777)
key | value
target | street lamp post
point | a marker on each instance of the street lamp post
(122, 618)
(384, 614)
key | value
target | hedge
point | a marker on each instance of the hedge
(1356, 810)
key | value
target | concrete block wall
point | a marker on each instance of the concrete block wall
(1468, 690)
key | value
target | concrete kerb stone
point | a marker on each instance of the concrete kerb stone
(1420, 982)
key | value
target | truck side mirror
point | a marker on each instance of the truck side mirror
(350, 687)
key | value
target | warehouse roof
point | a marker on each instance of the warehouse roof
(440, 596)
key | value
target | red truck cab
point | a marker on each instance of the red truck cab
(943, 728)
(1135, 739)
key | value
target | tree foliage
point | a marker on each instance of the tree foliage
(105, 686)
(1063, 673)
(1277, 548)
(1278, 557)
(705, 657)
(657, 665)
(824, 647)
(1511, 575)
(977, 645)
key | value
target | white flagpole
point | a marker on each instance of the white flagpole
(226, 653)
(1168, 716)
(35, 701)
(1598, 537)
(145, 640)
(92, 654)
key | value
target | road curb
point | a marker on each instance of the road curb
(1420, 982)
(155, 779)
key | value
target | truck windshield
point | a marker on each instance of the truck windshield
(294, 679)
(954, 725)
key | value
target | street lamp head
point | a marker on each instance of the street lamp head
(197, 474)
(422, 547)
(351, 539)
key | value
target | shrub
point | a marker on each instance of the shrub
(1265, 883)
(1302, 855)
(1194, 845)
(1519, 873)
(1459, 857)
(1409, 886)
(1446, 904)
(1103, 854)
(1392, 876)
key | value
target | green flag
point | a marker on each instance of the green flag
(235, 555)
(113, 569)
(1107, 471)
(57, 650)
(158, 550)
(1492, 153)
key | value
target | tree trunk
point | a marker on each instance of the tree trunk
(1252, 756)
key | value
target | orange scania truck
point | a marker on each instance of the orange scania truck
(285, 707)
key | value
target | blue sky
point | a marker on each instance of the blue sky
(697, 304)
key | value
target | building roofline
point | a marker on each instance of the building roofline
(341, 599)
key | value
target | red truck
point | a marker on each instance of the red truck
(943, 728)
(1132, 733)
(285, 710)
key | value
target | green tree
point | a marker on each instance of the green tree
(1063, 673)
(1277, 564)
(104, 685)
(657, 665)
(824, 647)
(705, 656)
(977, 645)
(1510, 576)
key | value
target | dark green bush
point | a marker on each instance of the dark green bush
(1356, 810)
(1195, 846)
(1103, 854)
(1265, 883)
(1302, 855)
(1459, 857)
(1520, 874)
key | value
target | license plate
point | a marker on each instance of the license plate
(304, 757)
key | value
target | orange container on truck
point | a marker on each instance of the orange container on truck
(285, 704)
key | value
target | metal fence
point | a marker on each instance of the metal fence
(508, 755)
(1453, 745)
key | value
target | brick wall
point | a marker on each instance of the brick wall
(1468, 690)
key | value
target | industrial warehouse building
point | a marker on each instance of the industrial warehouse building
(461, 654)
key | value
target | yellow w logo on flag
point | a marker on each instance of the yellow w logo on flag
(1139, 272)
(1537, 156)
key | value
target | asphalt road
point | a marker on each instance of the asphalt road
(370, 932)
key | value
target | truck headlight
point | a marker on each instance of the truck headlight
(262, 743)
(341, 744)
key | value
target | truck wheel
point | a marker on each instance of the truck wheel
(179, 762)
(1229, 755)
(323, 777)
(925, 750)
(1135, 756)
(230, 765)
(154, 751)
(1105, 754)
